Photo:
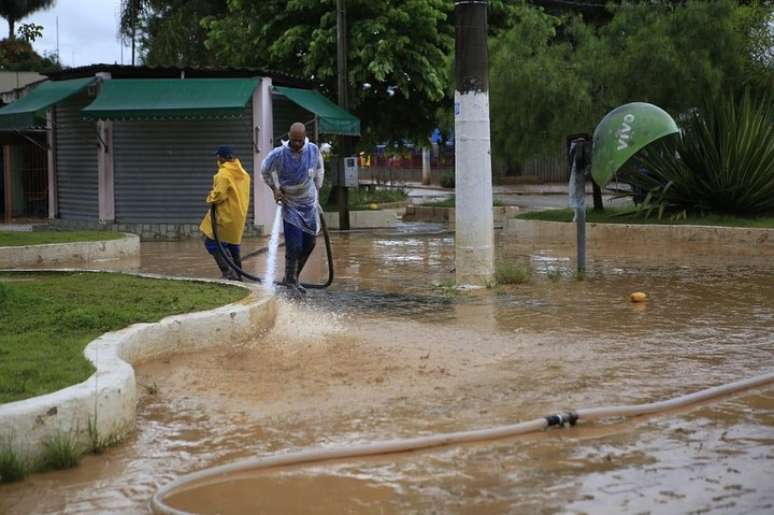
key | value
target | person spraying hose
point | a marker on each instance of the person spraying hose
(295, 171)
(231, 194)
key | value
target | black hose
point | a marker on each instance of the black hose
(234, 267)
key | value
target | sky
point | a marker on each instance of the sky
(87, 32)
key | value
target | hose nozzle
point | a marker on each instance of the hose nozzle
(275, 178)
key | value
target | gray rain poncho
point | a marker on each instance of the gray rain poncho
(300, 176)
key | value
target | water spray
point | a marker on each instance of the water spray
(271, 260)
(233, 266)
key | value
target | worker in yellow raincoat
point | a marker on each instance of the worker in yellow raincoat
(231, 195)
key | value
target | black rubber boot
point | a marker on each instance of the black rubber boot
(291, 277)
(238, 263)
(301, 262)
(226, 270)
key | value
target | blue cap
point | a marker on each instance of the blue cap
(225, 151)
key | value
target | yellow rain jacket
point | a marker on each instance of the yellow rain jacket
(231, 194)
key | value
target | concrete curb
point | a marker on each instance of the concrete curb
(366, 219)
(52, 254)
(544, 232)
(447, 214)
(104, 406)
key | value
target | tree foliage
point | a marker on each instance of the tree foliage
(556, 66)
(18, 55)
(15, 10)
(552, 76)
(170, 32)
(397, 53)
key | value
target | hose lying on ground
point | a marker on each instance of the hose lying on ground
(425, 442)
(227, 256)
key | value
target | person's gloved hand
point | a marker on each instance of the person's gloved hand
(278, 195)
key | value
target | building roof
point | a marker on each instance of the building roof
(121, 71)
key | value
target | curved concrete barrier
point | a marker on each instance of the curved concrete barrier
(420, 213)
(367, 219)
(53, 254)
(553, 232)
(103, 407)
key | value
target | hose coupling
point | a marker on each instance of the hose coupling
(562, 419)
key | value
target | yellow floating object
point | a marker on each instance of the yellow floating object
(373, 206)
(638, 296)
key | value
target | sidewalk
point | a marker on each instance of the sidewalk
(525, 196)
(552, 188)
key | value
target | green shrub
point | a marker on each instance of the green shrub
(554, 274)
(509, 273)
(12, 466)
(447, 180)
(722, 163)
(61, 452)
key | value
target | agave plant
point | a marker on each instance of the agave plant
(723, 161)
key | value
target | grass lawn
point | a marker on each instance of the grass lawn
(13, 239)
(452, 202)
(617, 216)
(48, 318)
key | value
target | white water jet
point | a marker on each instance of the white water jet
(271, 260)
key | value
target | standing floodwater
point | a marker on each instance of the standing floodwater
(271, 259)
(391, 351)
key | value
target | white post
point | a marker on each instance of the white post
(474, 240)
(263, 129)
(53, 206)
(107, 198)
(425, 166)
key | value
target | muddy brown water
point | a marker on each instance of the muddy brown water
(390, 351)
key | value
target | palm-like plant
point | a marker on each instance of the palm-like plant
(722, 162)
(15, 10)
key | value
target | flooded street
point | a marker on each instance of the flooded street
(390, 350)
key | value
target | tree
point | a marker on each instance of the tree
(29, 32)
(537, 92)
(18, 55)
(169, 32)
(173, 34)
(15, 10)
(398, 52)
(552, 76)
(132, 13)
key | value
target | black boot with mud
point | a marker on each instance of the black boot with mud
(225, 269)
(293, 290)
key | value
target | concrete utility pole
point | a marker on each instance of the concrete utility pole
(473, 164)
(342, 198)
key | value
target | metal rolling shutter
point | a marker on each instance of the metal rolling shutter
(285, 113)
(163, 168)
(76, 158)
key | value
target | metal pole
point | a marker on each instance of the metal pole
(342, 197)
(580, 221)
(8, 182)
(474, 241)
(580, 150)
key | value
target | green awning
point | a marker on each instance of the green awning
(149, 99)
(29, 111)
(333, 119)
